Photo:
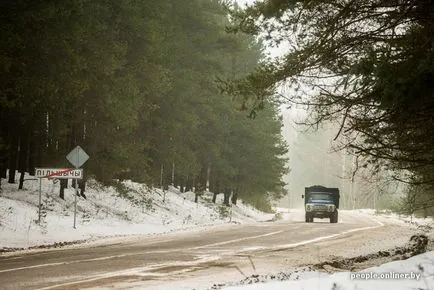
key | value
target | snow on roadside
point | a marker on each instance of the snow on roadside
(419, 269)
(425, 225)
(414, 273)
(105, 213)
(400, 218)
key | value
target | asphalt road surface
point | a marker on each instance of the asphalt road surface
(206, 255)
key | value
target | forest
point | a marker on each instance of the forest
(137, 84)
(365, 66)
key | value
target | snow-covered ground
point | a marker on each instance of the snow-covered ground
(133, 209)
(414, 273)
(391, 217)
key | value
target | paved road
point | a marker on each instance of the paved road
(153, 261)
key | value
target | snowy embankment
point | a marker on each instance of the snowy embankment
(134, 209)
(129, 209)
(424, 224)
(414, 273)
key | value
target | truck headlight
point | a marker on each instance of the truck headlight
(331, 208)
(308, 207)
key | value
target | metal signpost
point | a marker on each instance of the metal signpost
(77, 157)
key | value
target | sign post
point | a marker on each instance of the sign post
(77, 157)
(75, 203)
(40, 200)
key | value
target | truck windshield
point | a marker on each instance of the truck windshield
(320, 195)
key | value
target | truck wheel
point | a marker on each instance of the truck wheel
(334, 217)
(307, 218)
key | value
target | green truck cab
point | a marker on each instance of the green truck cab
(321, 202)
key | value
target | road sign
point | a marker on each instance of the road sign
(59, 173)
(77, 157)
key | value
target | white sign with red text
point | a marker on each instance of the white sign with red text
(59, 173)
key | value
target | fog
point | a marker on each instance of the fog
(313, 160)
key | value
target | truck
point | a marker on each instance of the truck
(321, 202)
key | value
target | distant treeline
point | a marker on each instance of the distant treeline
(134, 83)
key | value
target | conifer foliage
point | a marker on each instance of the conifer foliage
(134, 84)
(367, 64)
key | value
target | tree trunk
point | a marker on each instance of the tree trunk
(201, 180)
(4, 140)
(82, 187)
(235, 197)
(13, 150)
(227, 195)
(21, 180)
(178, 182)
(3, 158)
(166, 182)
(161, 177)
(32, 154)
(208, 172)
(3, 164)
(37, 154)
(63, 185)
(216, 191)
(196, 191)
(189, 184)
(23, 156)
(173, 173)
